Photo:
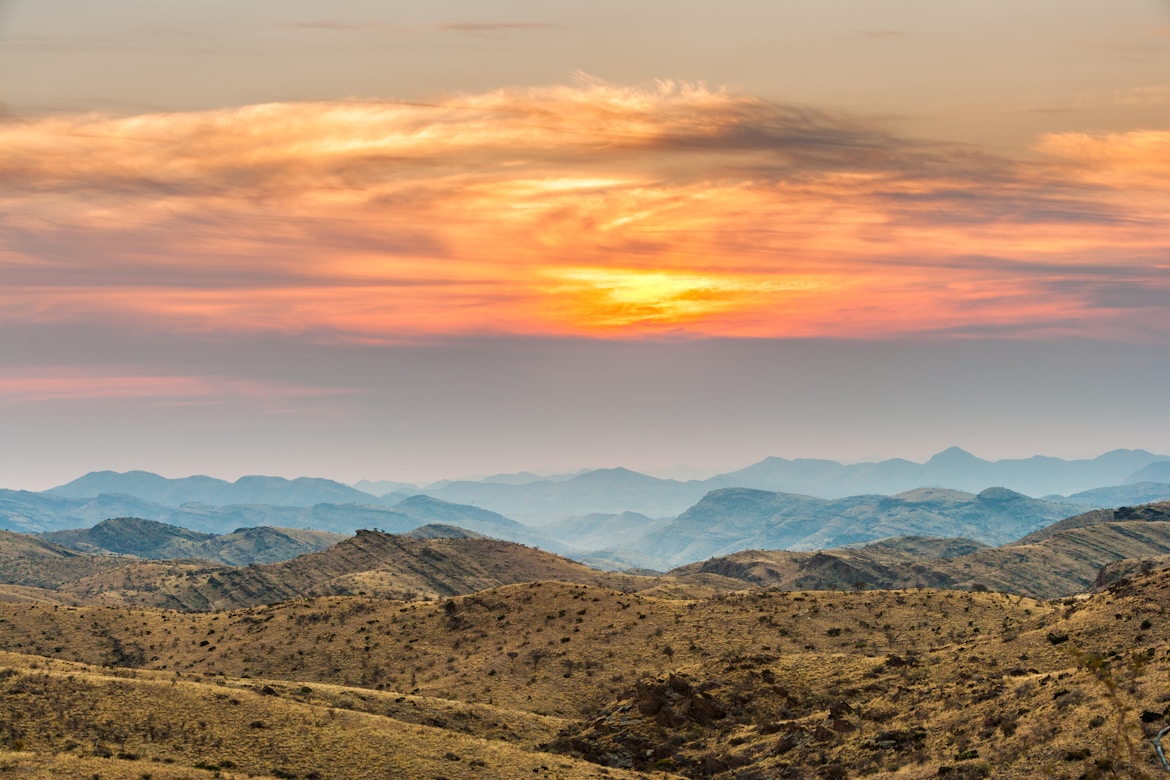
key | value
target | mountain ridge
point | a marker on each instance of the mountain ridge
(152, 540)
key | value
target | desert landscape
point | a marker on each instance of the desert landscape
(451, 390)
(443, 653)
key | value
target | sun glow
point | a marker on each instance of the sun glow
(609, 298)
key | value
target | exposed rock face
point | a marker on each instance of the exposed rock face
(645, 730)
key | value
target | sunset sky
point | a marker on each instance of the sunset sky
(390, 240)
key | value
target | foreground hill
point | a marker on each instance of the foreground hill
(160, 541)
(216, 728)
(733, 519)
(892, 684)
(1062, 559)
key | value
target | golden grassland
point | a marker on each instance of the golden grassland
(749, 685)
(26, 765)
(146, 720)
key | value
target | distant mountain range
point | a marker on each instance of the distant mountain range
(613, 518)
(538, 500)
(733, 519)
(277, 491)
(1060, 559)
(47, 512)
(721, 522)
(613, 491)
(953, 468)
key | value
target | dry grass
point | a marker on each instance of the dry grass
(147, 719)
(891, 684)
(26, 765)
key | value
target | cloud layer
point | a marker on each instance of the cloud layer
(589, 209)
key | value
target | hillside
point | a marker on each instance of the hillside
(1060, 560)
(887, 684)
(215, 728)
(426, 509)
(131, 536)
(370, 563)
(1119, 495)
(600, 531)
(1157, 471)
(160, 541)
(26, 560)
(1148, 513)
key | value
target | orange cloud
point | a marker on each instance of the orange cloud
(1134, 160)
(587, 209)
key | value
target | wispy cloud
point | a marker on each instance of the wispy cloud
(64, 385)
(325, 25)
(481, 27)
(591, 208)
(883, 35)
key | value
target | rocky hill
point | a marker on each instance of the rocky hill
(370, 563)
(1060, 560)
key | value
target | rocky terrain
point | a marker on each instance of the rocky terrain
(447, 654)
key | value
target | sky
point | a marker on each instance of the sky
(367, 239)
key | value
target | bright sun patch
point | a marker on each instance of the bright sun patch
(608, 298)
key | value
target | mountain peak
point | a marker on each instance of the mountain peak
(953, 456)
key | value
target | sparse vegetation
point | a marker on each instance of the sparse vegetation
(605, 678)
